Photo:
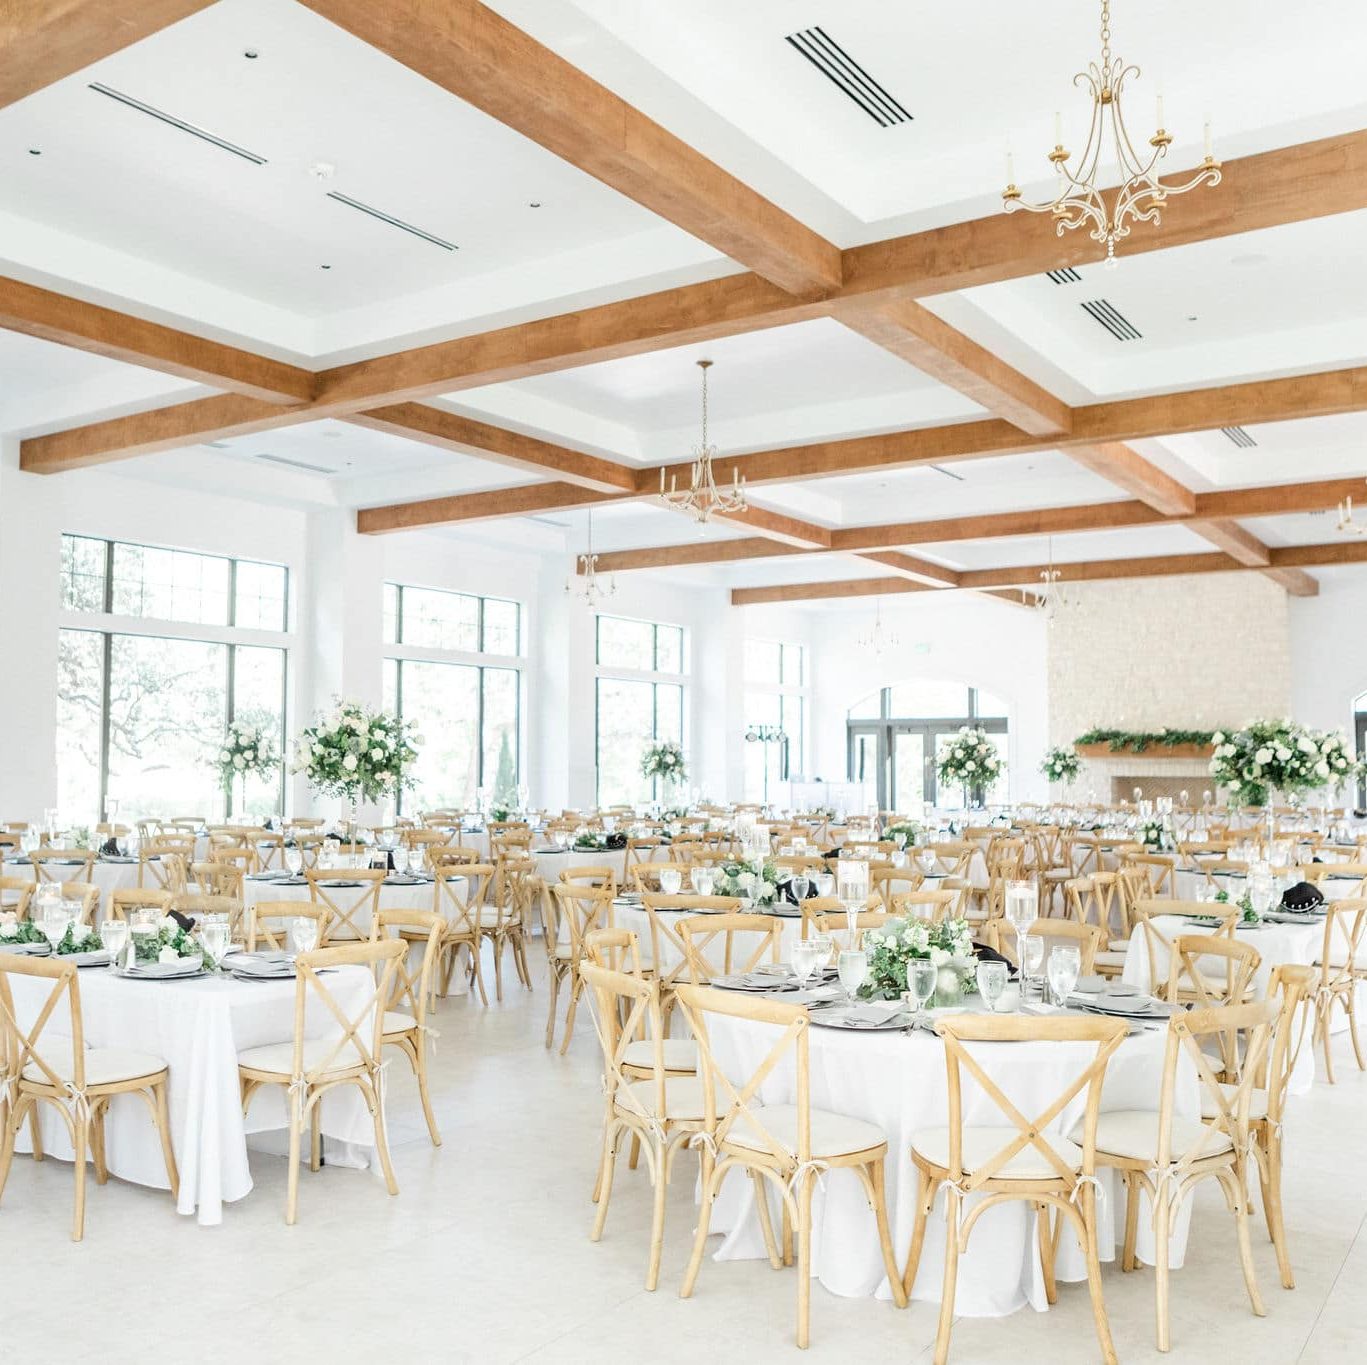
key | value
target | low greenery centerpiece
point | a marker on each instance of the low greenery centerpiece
(588, 841)
(168, 944)
(1061, 765)
(908, 828)
(1137, 741)
(14, 931)
(751, 879)
(1156, 834)
(949, 944)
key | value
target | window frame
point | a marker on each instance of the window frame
(794, 757)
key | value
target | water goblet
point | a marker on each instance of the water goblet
(214, 937)
(825, 883)
(922, 975)
(926, 859)
(801, 884)
(114, 939)
(1032, 959)
(294, 859)
(303, 934)
(852, 967)
(991, 978)
(1065, 964)
(671, 879)
(807, 957)
(53, 920)
(703, 880)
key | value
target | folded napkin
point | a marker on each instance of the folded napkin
(873, 1012)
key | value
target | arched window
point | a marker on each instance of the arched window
(896, 733)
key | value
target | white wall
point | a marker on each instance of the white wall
(1329, 651)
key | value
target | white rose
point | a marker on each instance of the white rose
(377, 755)
(80, 932)
(969, 766)
(939, 956)
(9, 927)
(1283, 753)
(223, 755)
(1322, 768)
(1305, 744)
(169, 925)
(349, 763)
(1263, 756)
(239, 762)
(168, 954)
(1218, 737)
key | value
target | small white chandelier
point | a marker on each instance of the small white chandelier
(1078, 200)
(1346, 524)
(876, 639)
(591, 588)
(1050, 597)
(702, 499)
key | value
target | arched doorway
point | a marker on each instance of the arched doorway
(895, 734)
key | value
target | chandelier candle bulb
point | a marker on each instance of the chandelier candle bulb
(1160, 119)
(1058, 128)
(1209, 143)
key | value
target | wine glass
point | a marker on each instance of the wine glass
(926, 858)
(807, 956)
(1065, 964)
(825, 883)
(114, 939)
(403, 861)
(852, 967)
(671, 879)
(801, 884)
(303, 934)
(703, 880)
(294, 859)
(214, 937)
(53, 921)
(922, 974)
(991, 983)
(1032, 957)
(1022, 908)
(900, 839)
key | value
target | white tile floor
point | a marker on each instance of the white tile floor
(484, 1255)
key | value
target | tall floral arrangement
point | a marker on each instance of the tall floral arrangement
(664, 760)
(970, 760)
(1277, 755)
(1061, 765)
(357, 754)
(246, 751)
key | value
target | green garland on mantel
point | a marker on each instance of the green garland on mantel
(1122, 741)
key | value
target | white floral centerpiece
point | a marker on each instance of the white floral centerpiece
(1277, 755)
(357, 754)
(970, 760)
(948, 944)
(753, 879)
(246, 751)
(908, 829)
(1061, 765)
(1156, 834)
(664, 760)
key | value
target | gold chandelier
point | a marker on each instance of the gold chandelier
(877, 639)
(1347, 524)
(1051, 597)
(590, 586)
(1078, 200)
(702, 498)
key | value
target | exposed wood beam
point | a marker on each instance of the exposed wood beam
(469, 50)
(909, 566)
(526, 500)
(777, 527)
(465, 436)
(1129, 470)
(911, 331)
(1296, 581)
(696, 552)
(43, 41)
(1230, 537)
(120, 336)
(812, 592)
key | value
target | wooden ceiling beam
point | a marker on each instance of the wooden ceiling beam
(523, 501)
(120, 336)
(778, 528)
(909, 566)
(461, 435)
(1230, 537)
(467, 49)
(1128, 469)
(44, 41)
(911, 331)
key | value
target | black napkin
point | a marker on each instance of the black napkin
(109, 849)
(985, 954)
(1302, 896)
(186, 922)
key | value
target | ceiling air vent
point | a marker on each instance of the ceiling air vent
(1112, 319)
(1065, 276)
(1240, 437)
(392, 221)
(948, 473)
(843, 71)
(297, 464)
(173, 122)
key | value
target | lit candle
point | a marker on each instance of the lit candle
(1208, 141)
(1058, 129)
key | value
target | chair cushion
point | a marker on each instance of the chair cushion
(279, 1057)
(832, 1134)
(982, 1143)
(1133, 1133)
(396, 1021)
(1114, 958)
(103, 1065)
(1338, 957)
(680, 1054)
(1257, 1102)
(1119, 945)
(683, 1098)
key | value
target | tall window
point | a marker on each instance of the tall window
(640, 700)
(775, 716)
(895, 737)
(158, 650)
(454, 668)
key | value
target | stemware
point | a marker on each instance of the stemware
(294, 859)
(113, 939)
(991, 983)
(800, 884)
(214, 936)
(703, 880)
(1065, 965)
(926, 858)
(1032, 959)
(1021, 902)
(303, 934)
(922, 975)
(852, 967)
(825, 883)
(808, 954)
(670, 881)
(53, 920)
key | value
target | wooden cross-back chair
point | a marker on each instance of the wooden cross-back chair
(506, 920)
(578, 908)
(1158, 940)
(781, 1147)
(1158, 874)
(597, 876)
(888, 883)
(268, 923)
(408, 1003)
(648, 848)
(1340, 965)
(458, 896)
(1167, 1155)
(668, 953)
(1206, 970)
(438, 856)
(1001, 935)
(15, 894)
(932, 905)
(309, 1068)
(643, 877)
(217, 879)
(123, 900)
(1320, 873)
(617, 950)
(63, 864)
(427, 842)
(162, 864)
(243, 858)
(86, 896)
(197, 905)
(1091, 900)
(1014, 1155)
(720, 945)
(58, 1070)
(642, 1097)
(349, 916)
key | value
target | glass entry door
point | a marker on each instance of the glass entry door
(911, 780)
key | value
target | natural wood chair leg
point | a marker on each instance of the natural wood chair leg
(164, 1132)
(477, 969)
(712, 1177)
(879, 1199)
(550, 1013)
(497, 943)
(97, 1113)
(13, 1122)
(1323, 1024)
(372, 1095)
(315, 1138)
(1094, 1287)
(946, 1325)
(605, 1175)
(634, 1156)
(608, 1132)
(576, 985)
(79, 1140)
(1132, 1201)
(766, 1222)
(1271, 1181)
(1350, 1005)
(1045, 1235)
(657, 1217)
(419, 1060)
(1237, 1185)
(787, 1235)
(35, 1130)
(296, 1143)
(804, 1263)
(924, 1198)
(1162, 1222)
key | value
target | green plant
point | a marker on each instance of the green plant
(1136, 741)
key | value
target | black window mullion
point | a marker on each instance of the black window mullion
(232, 593)
(106, 656)
(398, 709)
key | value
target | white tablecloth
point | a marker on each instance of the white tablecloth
(107, 876)
(899, 1083)
(198, 1027)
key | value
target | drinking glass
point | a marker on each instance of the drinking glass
(113, 939)
(145, 924)
(670, 881)
(801, 884)
(294, 860)
(807, 956)
(214, 937)
(303, 934)
(922, 974)
(900, 839)
(991, 983)
(1022, 908)
(853, 968)
(403, 861)
(926, 858)
(1032, 959)
(53, 921)
(703, 880)
(1065, 963)
(825, 883)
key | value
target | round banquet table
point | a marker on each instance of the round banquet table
(899, 1083)
(199, 1027)
(107, 874)
(1188, 883)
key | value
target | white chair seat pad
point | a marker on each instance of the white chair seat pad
(832, 1134)
(1133, 1134)
(1113, 958)
(103, 1065)
(680, 1054)
(396, 1021)
(683, 1098)
(1338, 957)
(279, 1057)
(1257, 1102)
(981, 1143)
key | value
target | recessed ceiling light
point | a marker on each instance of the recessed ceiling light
(535, 204)
(324, 267)
(251, 54)
(1191, 317)
(35, 151)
